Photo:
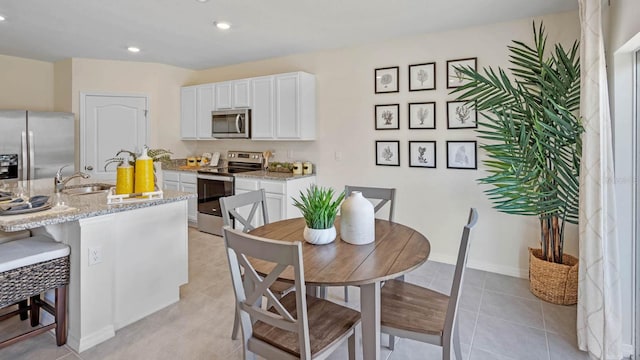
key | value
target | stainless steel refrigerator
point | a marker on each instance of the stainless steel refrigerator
(43, 141)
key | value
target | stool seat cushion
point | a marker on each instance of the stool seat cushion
(29, 251)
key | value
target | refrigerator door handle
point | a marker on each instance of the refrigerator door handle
(23, 163)
(32, 174)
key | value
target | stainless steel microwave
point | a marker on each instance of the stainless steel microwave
(231, 124)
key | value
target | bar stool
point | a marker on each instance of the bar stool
(29, 267)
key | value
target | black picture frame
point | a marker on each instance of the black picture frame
(386, 80)
(462, 154)
(454, 79)
(461, 115)
(387, 152)
(422, 76)
(422, 115)
(422, 154)
(387, 116)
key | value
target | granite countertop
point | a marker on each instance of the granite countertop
(270, 175)
(78, 206)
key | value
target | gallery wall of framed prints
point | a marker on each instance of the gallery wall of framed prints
(421, 116)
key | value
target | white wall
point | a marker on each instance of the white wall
(25, 84)
(434, 201)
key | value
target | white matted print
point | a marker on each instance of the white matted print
(461, 115)
(455, 78)
(422, 154)
(422, 76)
(422, 115)
(387, 80)
(462, 155)
(388, 153)
(387, 116)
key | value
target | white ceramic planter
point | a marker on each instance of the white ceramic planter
(319, 236)
(357, 220)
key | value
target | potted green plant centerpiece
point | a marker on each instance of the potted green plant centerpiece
(533, 143)
(319, 210)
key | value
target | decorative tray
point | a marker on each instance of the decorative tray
(112, 198)
(43, 207)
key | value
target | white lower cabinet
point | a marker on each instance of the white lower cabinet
(278, 194)
(186, 181)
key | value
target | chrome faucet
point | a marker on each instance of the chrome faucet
(59, 183)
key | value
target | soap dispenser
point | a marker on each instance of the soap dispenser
(144, 179)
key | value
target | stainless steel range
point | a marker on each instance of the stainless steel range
(217, 182)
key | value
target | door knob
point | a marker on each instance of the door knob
(88, 167)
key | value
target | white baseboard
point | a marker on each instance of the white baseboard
(89, 341)
(480, 265)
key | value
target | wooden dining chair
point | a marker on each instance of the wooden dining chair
(421, 314)
(295, 326)
(382, 195)
(230, 207)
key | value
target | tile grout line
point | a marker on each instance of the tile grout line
(546, 334)
(475, 325)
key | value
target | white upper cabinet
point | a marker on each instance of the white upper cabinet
(263, 109)
(241, 93)
(188, 109)
(283, 106)
(295, 106)
(223, 95)
(196, 104)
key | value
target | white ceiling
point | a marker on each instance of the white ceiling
(181, 33)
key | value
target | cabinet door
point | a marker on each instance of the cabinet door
(287, 106)
(262, 111)
(223, 96)
(204, 107)
(188, 112)
(275, 206)
(241, 93)
(171, 185)
(192, 204)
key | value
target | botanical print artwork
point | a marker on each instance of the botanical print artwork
(461, 115)
(422, 76)
(461, 155)
(422, 115)
(388, 153)
(386, 116)
(386, 80)
(422, 154)
(455, 78)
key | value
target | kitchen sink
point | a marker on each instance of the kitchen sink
(86, 189)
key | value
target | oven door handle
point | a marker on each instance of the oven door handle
(216, 177)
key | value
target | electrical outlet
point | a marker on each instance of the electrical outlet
(95, 255)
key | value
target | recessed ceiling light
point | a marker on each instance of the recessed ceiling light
(133, 49)
(222, 25)
(1, 18)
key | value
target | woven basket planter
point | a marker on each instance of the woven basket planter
(555, 283)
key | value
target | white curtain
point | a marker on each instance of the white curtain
(599, 317)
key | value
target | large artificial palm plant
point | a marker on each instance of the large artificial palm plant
(533, 135)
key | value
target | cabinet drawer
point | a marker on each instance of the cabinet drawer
(246, 184)
(171, 176)
(188, 178)
(276, 187)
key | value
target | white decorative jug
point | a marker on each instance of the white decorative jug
(357, 221)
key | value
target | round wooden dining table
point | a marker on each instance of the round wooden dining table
(397, 249)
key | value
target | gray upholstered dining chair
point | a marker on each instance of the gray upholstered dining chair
(295, 326)
(382, 195)
(434, 316)
(233, 207)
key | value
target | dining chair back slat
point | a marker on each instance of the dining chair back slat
(231, 206)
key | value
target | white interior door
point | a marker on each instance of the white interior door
(108, 124)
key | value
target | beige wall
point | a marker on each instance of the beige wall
(25, 84)
(160, 82)
(434, 201)
(62, 83)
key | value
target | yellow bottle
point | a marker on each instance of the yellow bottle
(124, 178)
(144, 181)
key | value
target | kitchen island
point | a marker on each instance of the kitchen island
(127, 260)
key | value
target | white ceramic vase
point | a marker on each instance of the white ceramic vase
(319, 236)
(357, 220)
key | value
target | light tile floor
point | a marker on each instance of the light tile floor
(499, 319)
